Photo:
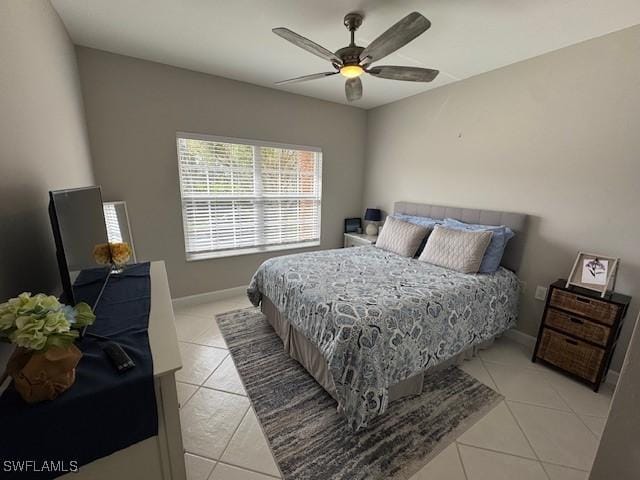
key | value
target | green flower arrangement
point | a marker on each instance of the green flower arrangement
(40, 321)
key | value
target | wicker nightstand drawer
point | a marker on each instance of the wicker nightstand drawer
(578, 327)
(588, 307)
(571, 355)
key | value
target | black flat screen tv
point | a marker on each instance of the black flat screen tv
(77, 221)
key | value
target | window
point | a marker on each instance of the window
(245, 196)
(114, 235)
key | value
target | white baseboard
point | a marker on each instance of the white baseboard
(521, 338)
(530, 342)
(207, 297)
(612, 378)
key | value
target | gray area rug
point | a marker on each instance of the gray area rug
(308, 438)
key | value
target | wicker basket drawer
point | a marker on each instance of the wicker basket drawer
(595, 309)
(594, 332)
(571, 355)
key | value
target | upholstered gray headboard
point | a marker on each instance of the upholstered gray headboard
(515, 221)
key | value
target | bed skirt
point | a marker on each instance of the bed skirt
(307, 354)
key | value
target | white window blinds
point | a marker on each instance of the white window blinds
(243, 196)
(114, 235)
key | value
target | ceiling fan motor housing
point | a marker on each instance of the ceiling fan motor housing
(350, 55)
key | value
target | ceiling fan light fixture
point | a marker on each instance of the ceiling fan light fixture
(351, 71)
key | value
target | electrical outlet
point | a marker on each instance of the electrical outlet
(541, 293)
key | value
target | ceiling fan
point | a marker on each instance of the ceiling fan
(352, 60)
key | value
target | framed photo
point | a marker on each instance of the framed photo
(595, 272)
(352, 225)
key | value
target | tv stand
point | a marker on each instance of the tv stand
(162, 456)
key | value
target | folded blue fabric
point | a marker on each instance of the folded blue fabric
(495, 250)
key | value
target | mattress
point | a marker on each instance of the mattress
(378, 319)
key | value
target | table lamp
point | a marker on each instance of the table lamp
(373, 216)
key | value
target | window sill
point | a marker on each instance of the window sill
(195, 257)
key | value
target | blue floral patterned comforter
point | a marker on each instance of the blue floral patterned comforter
(379, 318)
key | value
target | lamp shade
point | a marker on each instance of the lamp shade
(373, 215)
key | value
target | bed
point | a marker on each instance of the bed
(368, 324)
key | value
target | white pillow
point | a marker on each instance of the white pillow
(459, 250)
(400, 237)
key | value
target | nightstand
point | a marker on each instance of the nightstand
(579, 331)
(358, 239)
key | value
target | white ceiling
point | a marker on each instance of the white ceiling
(233, 38)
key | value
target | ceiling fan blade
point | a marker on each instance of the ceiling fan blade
(306, 44)
(408, 74)
(397, 36)
(353, 89)
(304, 78)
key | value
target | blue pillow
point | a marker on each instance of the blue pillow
(426, 222)
(495, 250)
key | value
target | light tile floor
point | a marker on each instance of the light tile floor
(547, 428)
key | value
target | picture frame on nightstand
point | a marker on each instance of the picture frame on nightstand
(352, 225)
(594, 272)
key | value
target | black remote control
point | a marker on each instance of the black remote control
(118, 357)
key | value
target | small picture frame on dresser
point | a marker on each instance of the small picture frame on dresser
(594, 272)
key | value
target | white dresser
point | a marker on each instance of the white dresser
(160, 457)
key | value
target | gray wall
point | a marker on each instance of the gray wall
(134, 109)
(43, 140)
(618, 455)
(556, 137)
